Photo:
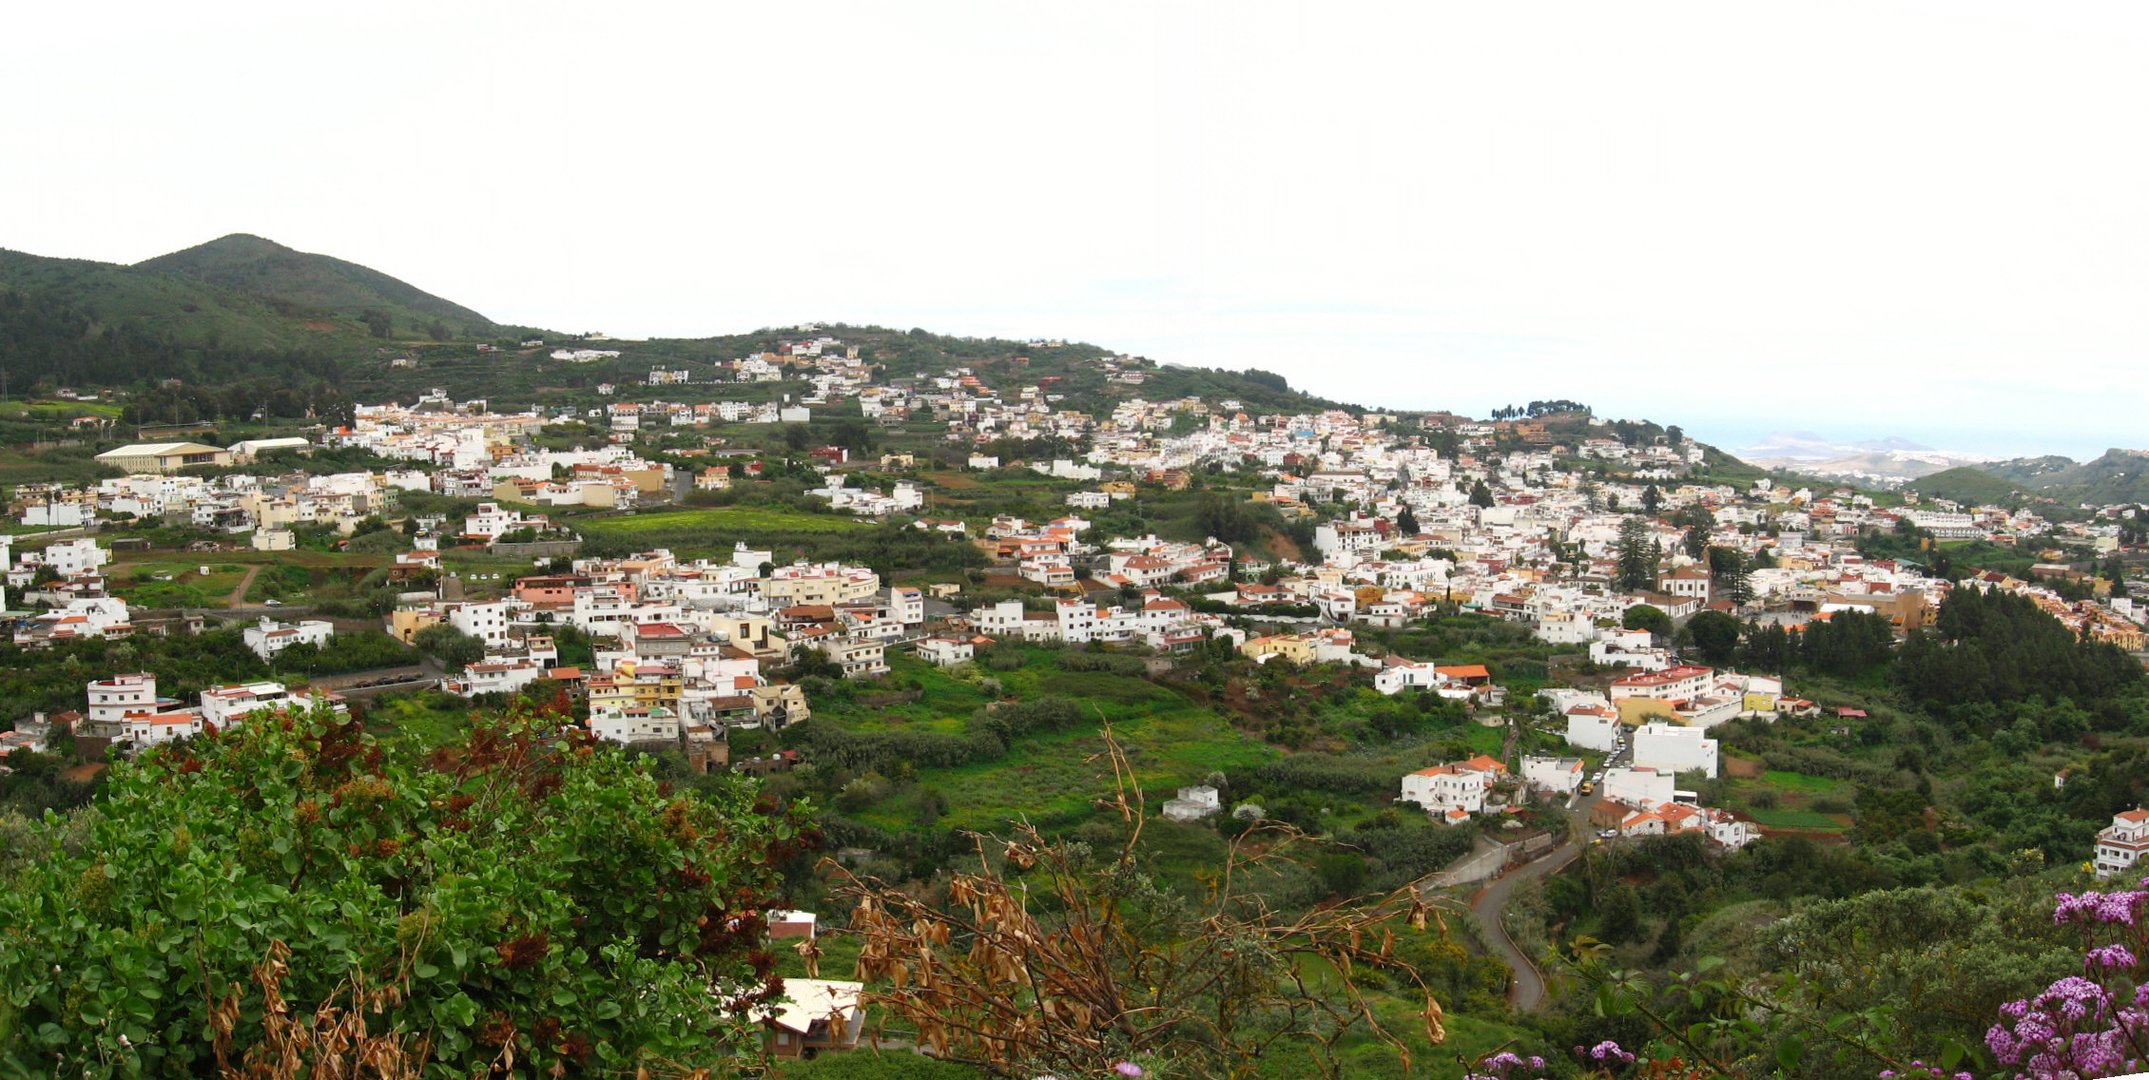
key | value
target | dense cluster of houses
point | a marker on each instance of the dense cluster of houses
(1441, 513)
(683, 649)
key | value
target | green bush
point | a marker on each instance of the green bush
(524, 886)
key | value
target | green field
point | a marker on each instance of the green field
(1791, 781)
(1799, 819)
(173, 583)
(16, 528)
(1793, 795)
(730, 520)
(1167, 739)
(60, 411)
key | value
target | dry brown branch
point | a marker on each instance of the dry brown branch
(332, 1043)
(1049, 958)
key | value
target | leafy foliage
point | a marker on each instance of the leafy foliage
(529, 899)
(2000, 647)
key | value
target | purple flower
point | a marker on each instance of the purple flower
(2114, 957)
(1506, 1065)
(1608, 1051)
(1127, 1068)
(2095, 908)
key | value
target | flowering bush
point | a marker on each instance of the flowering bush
(2090, 1025)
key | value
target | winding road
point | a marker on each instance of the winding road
(1526, 986)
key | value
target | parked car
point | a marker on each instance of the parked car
(1607, 834)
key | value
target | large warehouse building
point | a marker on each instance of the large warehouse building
(164, 457)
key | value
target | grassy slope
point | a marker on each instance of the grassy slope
(303, 284)
(1169, 741)
(2116, 476)
(730, 521)
(1968, 485)
(185, 309)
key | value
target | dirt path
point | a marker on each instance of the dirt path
(238, 592)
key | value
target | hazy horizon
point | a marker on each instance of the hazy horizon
(1898, 217)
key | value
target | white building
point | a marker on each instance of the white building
(1193, 803)
(1559, 775)
(1592, 727)
(1672, 684)
(1565, 627)
(1639, 786)
(110, 700)
(494, 677)
(1674, 749)
(486, 622)
(157, 728)
(225, 705)
(634, 724)
(859, 658)
(1454, 791)
(72, 558)
(947, 651)
(2120, 845)
(269, 637)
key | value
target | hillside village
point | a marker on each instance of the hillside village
(501, 565)
(1528, 521)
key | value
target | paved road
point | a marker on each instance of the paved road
(1526, 987)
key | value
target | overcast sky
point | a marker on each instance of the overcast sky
(1861, 219)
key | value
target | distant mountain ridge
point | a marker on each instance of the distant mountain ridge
(301, 284)
(2116, 476)
(1888, 459)
(238, 308)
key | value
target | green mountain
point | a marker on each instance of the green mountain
(2031, 472)
(120, 300)
(236, 309)
(1971, 486)
(2118, 476)
(302, 285)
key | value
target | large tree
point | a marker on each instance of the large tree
(1637, 555)
(528, 898)
(1730, 574)
(1715, 636)
(1647, 617)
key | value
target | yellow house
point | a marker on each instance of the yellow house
(404, 623)
(1296, 648)
(1636, 711)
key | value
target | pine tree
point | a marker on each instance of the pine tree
(1651, 500)
(1637, 555)
(1730, 574)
